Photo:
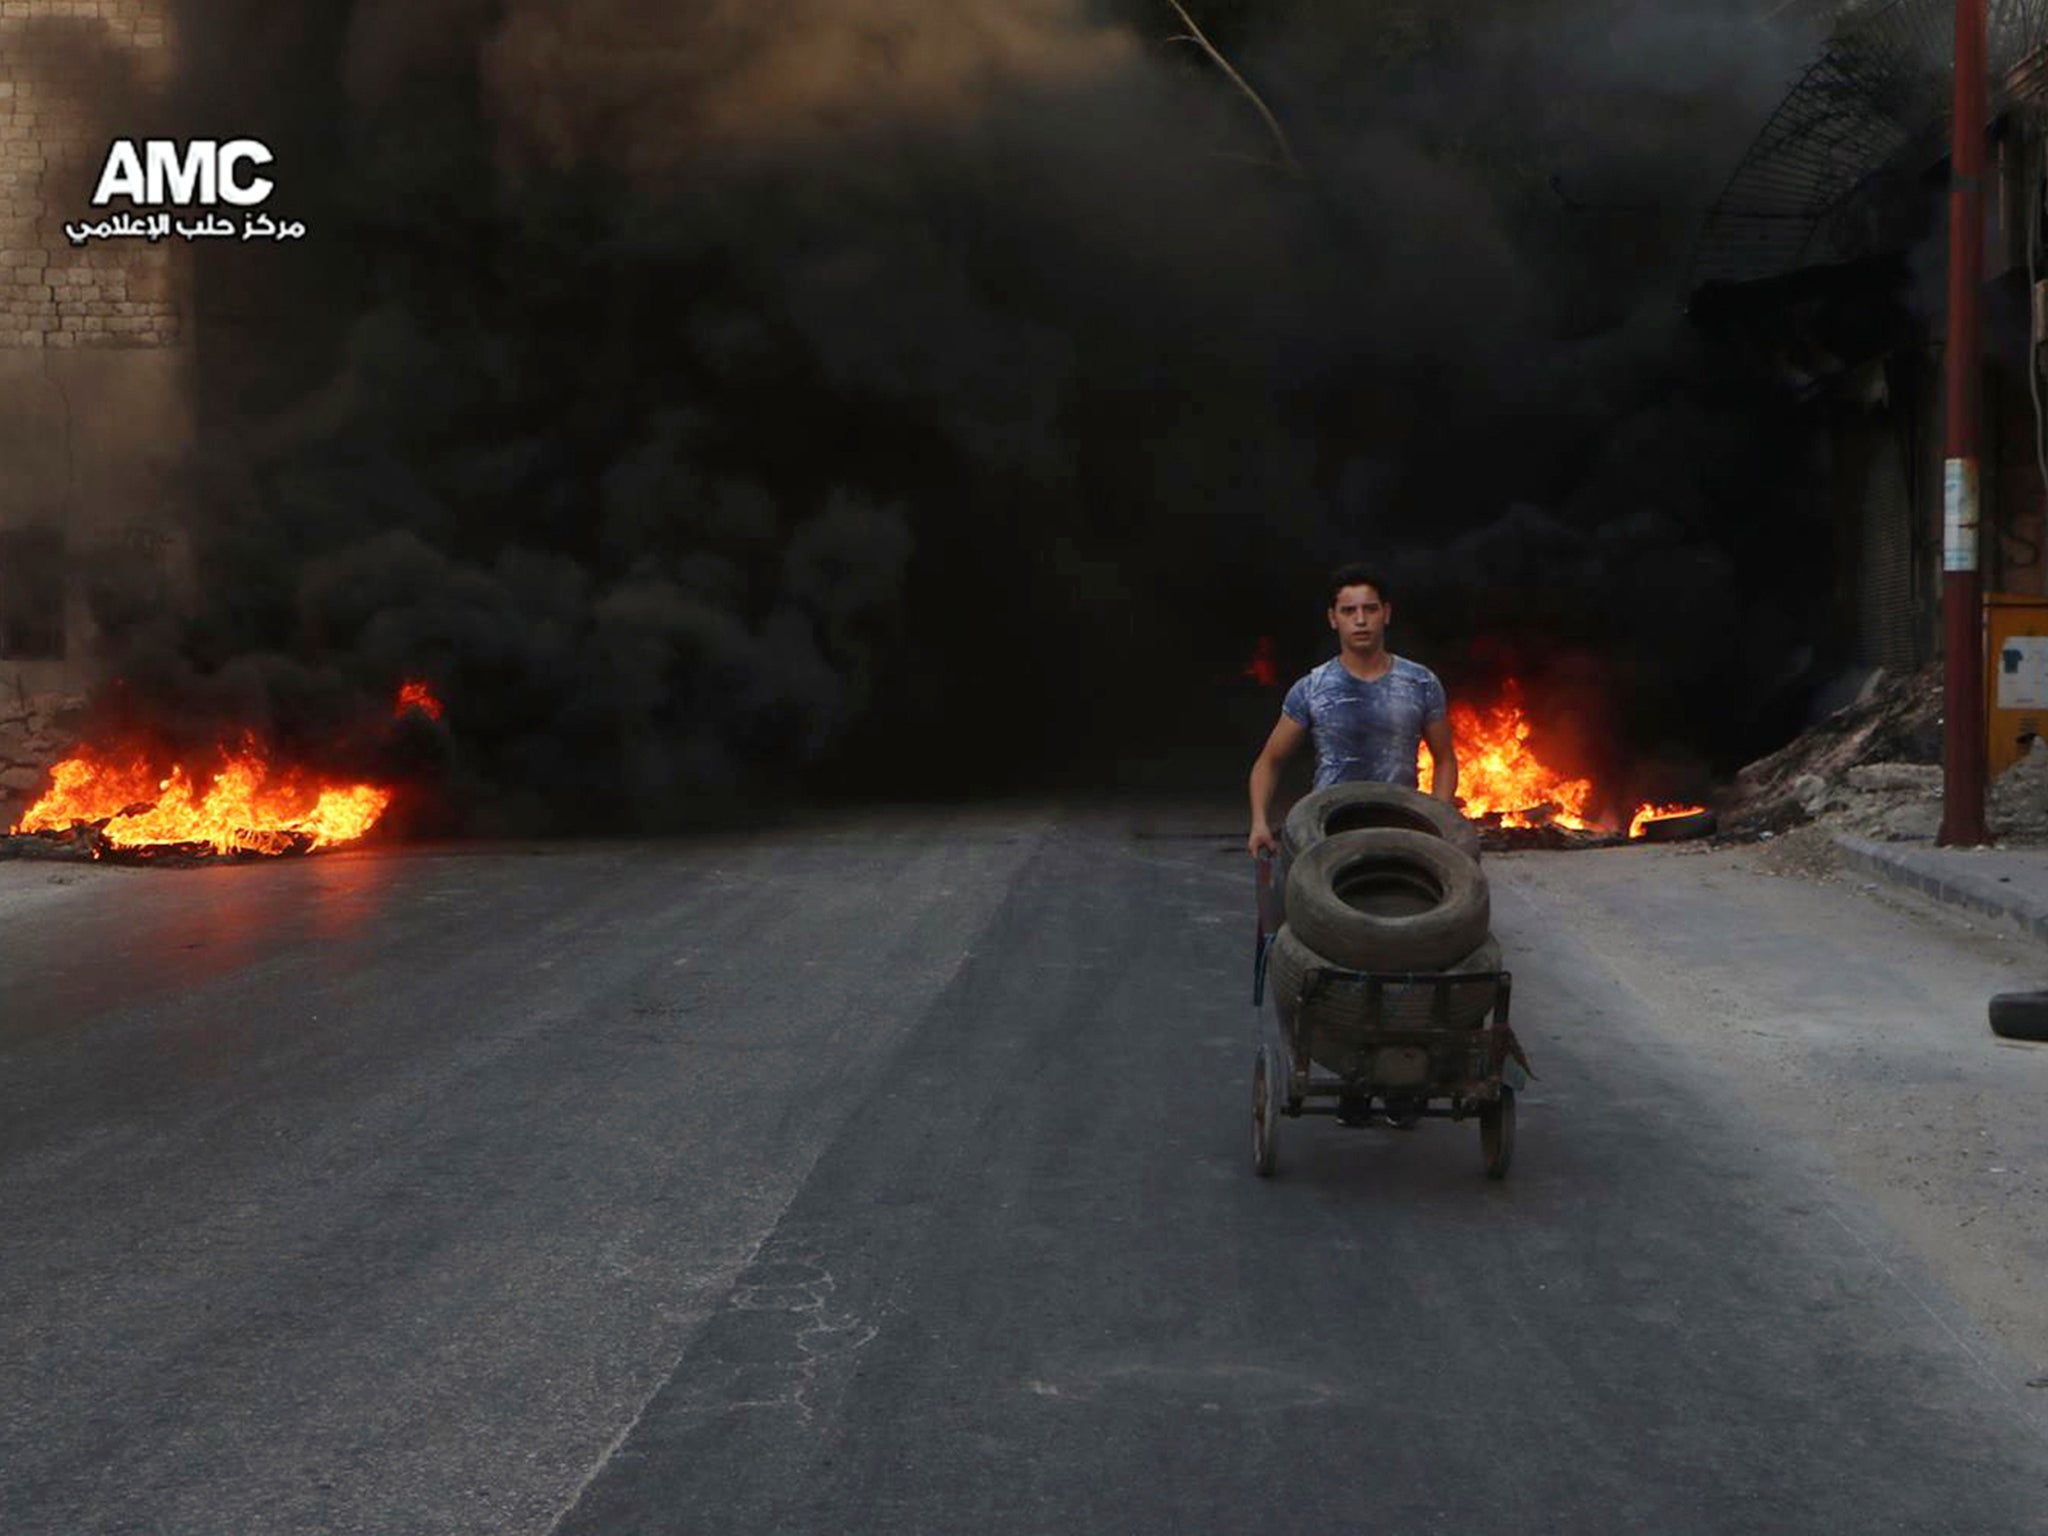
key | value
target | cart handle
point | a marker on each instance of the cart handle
(1262, 941)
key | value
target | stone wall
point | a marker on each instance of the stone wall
(68, 71)
(95, 398)
(35, 730)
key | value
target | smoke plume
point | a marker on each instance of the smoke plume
(730, 398)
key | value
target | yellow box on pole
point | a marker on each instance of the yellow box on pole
(2016, 676)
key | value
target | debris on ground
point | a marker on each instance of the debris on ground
(1499, 839)
(1806, 853)
(87, 842)
(1872, 768)
(76, 843)
(2018, 808)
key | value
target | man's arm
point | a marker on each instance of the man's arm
(1443, 754)
(1288, 734)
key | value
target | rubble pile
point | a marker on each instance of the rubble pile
(2018, 808)
(1872, 767)
(1890, 802)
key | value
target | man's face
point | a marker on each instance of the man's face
(1360, 619)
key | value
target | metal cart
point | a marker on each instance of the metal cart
(1364, 1071)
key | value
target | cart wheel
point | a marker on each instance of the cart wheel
(1265, 1116)
(1497, 1133)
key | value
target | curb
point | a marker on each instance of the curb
(1935, 873)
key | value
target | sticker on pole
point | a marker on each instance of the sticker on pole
(1959, 515)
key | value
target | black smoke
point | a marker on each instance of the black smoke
(724, 401)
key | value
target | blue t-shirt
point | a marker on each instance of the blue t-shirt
(1366, 730)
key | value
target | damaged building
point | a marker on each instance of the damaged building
(1824, 263)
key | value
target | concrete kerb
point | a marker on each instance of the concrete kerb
(2010, 887)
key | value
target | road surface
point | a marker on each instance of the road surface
(891, 1175)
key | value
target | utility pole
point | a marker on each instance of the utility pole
(1962, 593)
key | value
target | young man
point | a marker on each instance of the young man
(1365, 707)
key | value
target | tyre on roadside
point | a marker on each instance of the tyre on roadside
(2016, 1015)
(1678, 828)
(1388, 900)
(1364, 807)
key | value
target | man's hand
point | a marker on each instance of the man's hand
(1287, 736)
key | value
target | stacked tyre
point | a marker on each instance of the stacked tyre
(1378, 877)
(1373, 808)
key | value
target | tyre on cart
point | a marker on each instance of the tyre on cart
(1372, 1044)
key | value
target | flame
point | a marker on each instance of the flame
(415, 694)
(1264, 666)
(1499, 774)
(1648, 813)
(247, 804)
(87, 787)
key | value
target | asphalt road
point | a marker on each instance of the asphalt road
(892, 1177)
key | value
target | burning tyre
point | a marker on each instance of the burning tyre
(1388, 900)
(1675, 825)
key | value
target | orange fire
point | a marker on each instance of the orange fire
(417, 695)
(1498, 773)
(1649, 813)
(246, 802)
(1264, 666)
(246, 805)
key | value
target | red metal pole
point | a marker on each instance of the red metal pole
(1962, 595)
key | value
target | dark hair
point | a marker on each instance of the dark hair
(1356, 576)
